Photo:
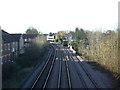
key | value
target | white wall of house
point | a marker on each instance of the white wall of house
(51, 38)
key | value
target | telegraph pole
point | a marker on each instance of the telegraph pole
(0, 58)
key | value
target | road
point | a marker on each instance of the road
(64, 69)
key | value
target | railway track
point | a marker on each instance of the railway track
(42, 80)
(61, 70)
(68, 72)
(55, 73)
(73, 64)
(64, 75)
(88, 74)
(74, 57)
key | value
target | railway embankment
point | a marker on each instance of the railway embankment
(99, 68)
(14, 73)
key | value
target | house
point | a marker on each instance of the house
(19, 38)
(68, 37)
(29, 38)
(8, 47)
(51, 37)
(12, 46)
(59, 35)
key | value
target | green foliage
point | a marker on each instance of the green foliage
(74, 45)
(65, 43)
(31, 56)
(79, 34)
(32, 30)
(28, 59)
(9, 69)
(51, 33)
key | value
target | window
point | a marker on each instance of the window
(13, 46)
(9, 46)
(4, 47)
(0, 47)
(0, 57)
(29, 40)
(8, 57)
(26, 40)
(16, 45)
(4, 58)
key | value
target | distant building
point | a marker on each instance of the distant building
(59, 35)
(11, 45)
(51, 38)
(29, 38)
(20, 41)
(68, 37)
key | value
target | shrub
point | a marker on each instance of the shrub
(9, 69)
(103, 48)
(27, 60)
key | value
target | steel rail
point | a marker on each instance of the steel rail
(87, 73)
(42, 69)
(50, 70)
(68, 73)
(26, 85)
(80, 76)
(60, 70)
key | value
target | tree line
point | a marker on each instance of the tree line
(101, 47)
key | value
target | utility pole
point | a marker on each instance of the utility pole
(0, 58)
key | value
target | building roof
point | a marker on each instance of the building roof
(45, 34)
(29, 36)
(16, 36)
(7, 38)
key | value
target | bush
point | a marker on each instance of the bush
(9, 69)
(25, 61)
(103, 48)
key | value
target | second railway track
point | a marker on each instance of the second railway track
(95, 85)
(43, 77)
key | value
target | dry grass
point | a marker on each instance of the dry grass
(102, 48)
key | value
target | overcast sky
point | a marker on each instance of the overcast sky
(55, 15)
